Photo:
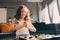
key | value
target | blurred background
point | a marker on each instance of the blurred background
(40, 10)
(45, 14)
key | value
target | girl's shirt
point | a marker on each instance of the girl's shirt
(22, 31)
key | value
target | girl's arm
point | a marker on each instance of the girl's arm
(31, 27)
(14, 27)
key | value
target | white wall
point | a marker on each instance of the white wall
(3, 15)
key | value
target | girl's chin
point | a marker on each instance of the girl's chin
(23, 16)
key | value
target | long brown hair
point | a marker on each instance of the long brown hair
(18, 13)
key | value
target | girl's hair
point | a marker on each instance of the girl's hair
(18, 13)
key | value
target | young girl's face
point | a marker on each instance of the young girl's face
(24, 12)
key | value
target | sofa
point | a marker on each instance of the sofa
(5, 32)
(43, 28)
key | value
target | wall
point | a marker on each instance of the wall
(12, 7)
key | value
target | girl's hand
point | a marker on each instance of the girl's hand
(14, 21)
(25, 24)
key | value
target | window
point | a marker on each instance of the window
(3, 15)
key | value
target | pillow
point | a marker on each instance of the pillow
(5, 27)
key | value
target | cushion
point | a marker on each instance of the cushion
(5, 27)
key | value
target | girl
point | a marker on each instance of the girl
(22, 23)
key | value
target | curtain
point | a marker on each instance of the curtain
(50, 14)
